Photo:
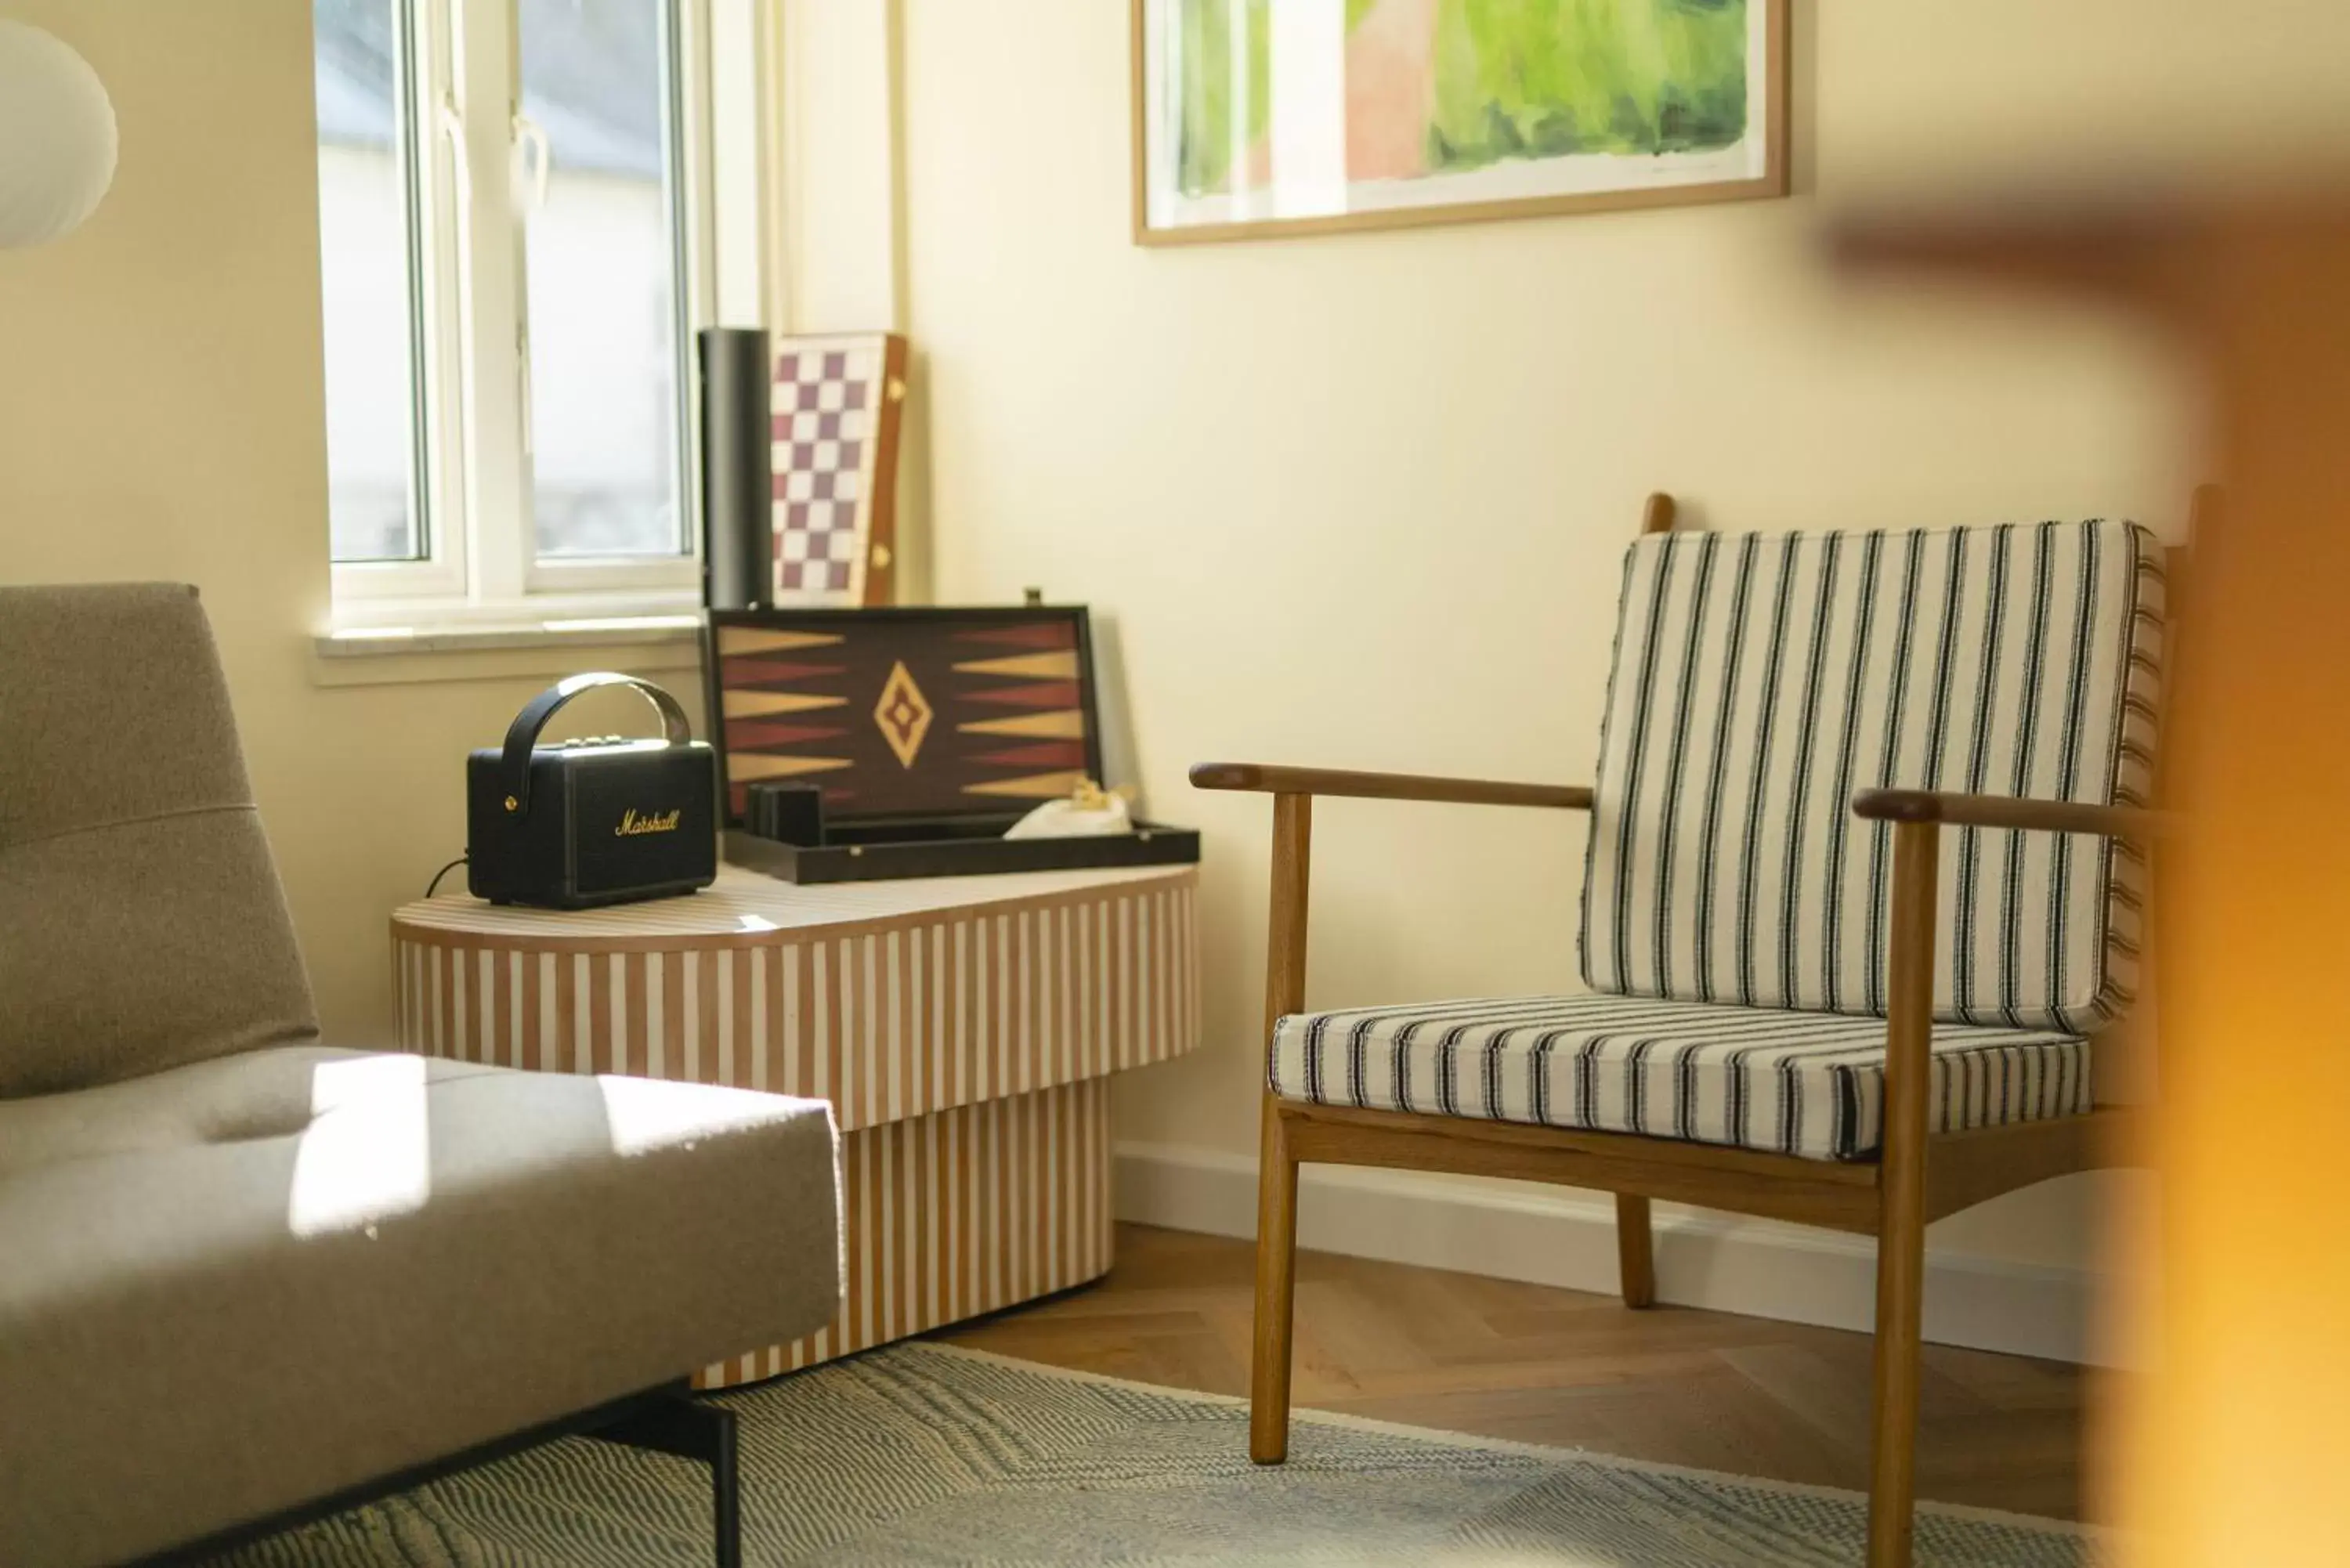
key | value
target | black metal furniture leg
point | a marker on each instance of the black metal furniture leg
(726, 1484)
(727, 1489)
(675, 1423)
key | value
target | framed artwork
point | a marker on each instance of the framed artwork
(1260, 119)
(834, 404)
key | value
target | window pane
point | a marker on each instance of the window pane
(603, 278)
(364, 217)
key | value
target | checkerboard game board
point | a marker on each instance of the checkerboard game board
(834, 407)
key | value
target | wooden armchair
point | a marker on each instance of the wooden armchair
(1824, 987)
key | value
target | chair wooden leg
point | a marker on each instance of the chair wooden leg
(1901, 1188)
(1636, 1250)
(1893, 1465)
(1276, 1176)
(1276, 1273)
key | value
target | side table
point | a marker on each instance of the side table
(963, 1028)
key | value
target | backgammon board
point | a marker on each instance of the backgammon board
(910, 713)
(928, 732)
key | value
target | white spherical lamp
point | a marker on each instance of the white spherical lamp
(57, 137)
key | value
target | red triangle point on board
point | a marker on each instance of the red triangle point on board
(1037, 634)
(739, 673)
(1045, 694)
(1049, 754)
(751, 735)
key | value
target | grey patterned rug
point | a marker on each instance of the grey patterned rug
(922, 1454)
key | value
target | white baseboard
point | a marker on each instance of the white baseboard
(1553, 1237)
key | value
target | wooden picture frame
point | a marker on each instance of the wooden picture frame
(1356, 203)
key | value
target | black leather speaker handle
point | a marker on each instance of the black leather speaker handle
(522, 735)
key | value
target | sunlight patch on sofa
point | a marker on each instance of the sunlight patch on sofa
(367, 1156)
(645, 1114)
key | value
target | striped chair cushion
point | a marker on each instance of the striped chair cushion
(1807, 1083)
(1760, 682)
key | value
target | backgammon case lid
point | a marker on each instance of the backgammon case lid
(906, 713)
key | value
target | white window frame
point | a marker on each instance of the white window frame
(462, 91)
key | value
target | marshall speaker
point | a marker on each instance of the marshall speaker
(596, 821)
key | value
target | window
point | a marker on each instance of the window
(511, 220)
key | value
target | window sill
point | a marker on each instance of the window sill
(362, 656)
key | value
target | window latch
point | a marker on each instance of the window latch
(538, 156)
(451, 120)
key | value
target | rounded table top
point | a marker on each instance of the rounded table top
(749, 908)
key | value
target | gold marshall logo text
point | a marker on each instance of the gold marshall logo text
(633, 821)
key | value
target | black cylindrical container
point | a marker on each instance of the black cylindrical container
(737, 469)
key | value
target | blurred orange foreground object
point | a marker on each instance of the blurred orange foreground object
(2235, 1448)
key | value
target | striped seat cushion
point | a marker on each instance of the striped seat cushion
(1760, 682)
(1807, 1083)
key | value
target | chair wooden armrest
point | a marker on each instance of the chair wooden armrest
(1268, 779)
(1961, 810)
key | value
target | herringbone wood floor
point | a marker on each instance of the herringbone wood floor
(1466, 1353)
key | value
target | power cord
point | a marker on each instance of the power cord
(434, 885)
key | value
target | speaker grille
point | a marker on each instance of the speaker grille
(643, 819)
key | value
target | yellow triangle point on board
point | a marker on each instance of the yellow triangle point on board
(1036, 787)
(744, 768)
(758, 704)
(1062, 666)
(1064, 724)
(734, 639)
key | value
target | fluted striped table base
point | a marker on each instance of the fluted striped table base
(963, 1029)
(950, 1216)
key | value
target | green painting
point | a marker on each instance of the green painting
(1266, 110)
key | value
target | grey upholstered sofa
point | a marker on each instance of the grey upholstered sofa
(241, 1270)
